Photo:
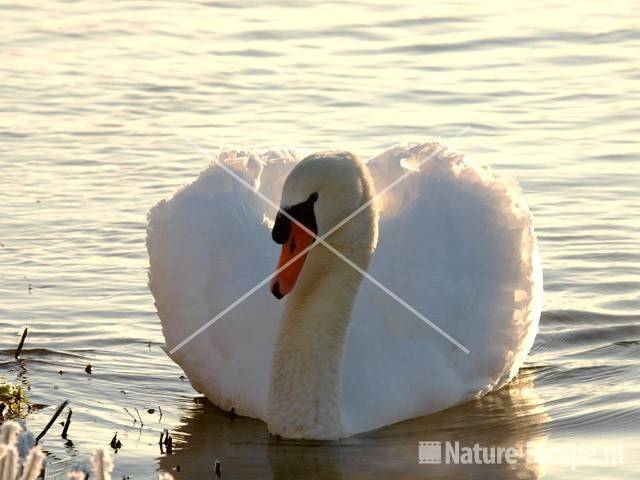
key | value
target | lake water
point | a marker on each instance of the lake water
(93, 97)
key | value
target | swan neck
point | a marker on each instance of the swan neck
(306, 374)
(306, 377)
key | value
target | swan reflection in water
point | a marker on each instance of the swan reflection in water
(512, 417)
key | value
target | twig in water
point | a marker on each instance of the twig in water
(53, 419)
(168, 442)
(66, 424)
(138, 412)
(134, 418)
(21, 344)
(160, 410)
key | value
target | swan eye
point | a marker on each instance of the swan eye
(313, 198)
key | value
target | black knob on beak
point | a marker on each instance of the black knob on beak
(275, 289)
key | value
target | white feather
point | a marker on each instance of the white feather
(456, 241)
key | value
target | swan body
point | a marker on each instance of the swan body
(339, 355)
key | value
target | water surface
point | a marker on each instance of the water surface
(94, 95)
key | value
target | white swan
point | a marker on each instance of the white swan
(452, 240)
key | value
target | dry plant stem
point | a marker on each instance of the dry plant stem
(53, 419)
(129, 413)
(141, 422)
(66, 424)
(21, 344)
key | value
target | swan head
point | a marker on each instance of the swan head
(320, 192)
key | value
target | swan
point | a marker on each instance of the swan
(429, 296)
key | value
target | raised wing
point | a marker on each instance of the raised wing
(208, 246)
(457, 244)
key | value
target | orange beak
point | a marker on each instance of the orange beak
(284, 281)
